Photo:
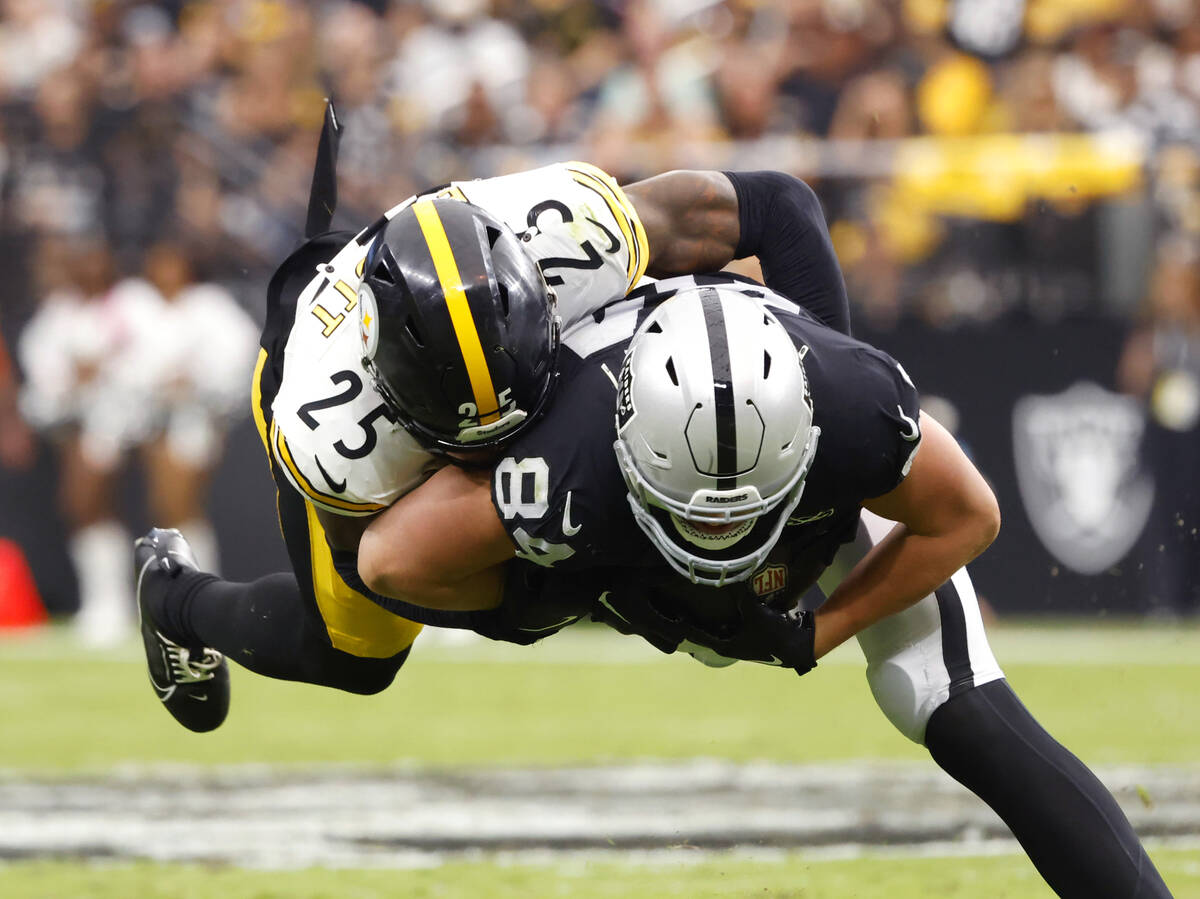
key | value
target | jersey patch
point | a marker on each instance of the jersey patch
(769, 580)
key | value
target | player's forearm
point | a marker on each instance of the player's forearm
(440, 546)
(899, 571)
(948, 515)
(415, 567)
(477, 590)
(781, 223)
(690, 219)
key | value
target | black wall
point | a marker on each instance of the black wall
(982, 370)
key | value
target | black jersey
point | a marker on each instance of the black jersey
(562, 499)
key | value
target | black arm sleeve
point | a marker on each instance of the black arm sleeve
(782, 224)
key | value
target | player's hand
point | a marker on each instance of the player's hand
(769, 636)
(730, 622)
(733, 622)
(621, 599)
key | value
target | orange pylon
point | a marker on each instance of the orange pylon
(20, 604)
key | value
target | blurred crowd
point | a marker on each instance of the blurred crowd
(978, 159)
(198, 118)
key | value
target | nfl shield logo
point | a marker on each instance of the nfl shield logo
(1078, 471)
(770, 579)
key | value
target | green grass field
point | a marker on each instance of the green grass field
(794, 877)
(1123, 693)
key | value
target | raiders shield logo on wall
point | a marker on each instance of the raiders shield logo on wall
(1078, 472)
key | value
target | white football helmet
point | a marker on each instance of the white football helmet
(715, 432)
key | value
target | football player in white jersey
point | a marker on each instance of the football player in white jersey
(576, 228)
(758, 450)
(431, 333)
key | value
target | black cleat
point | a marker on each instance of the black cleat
(193, 683)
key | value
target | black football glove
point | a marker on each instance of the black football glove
(765, 635)
(745, 629)
(625, 606)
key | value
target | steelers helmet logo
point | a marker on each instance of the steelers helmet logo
(368, 324)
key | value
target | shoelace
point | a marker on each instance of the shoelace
(186, 671)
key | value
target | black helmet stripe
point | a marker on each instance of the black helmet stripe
(442, 252)
(726, 418)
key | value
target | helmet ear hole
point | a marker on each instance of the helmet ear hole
(411, 327)
(671, 371)
(502, 291)
(766, 364)
(493, 235)
(384, 273)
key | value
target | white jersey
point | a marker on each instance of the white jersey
(331, 432)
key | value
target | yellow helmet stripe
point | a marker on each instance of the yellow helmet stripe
(486, 402)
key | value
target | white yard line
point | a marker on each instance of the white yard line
(403, 817)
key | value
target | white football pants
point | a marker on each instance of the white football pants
(918, 658)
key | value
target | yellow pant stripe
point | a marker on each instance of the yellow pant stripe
(260, 420)
(355, 624)
(486, 403)
(624, 213)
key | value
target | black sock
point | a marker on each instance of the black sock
(1069, 824)
(264, 626)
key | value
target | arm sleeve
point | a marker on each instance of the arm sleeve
(782, 224)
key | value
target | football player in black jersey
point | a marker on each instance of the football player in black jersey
(756, 451)
(569, 504)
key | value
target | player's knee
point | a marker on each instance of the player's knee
(364, 677)
(370, 683)
(909, 696)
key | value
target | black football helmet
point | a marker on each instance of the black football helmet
(460, 331)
